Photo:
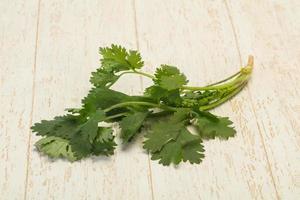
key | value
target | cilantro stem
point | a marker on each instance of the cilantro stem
(144, 74)
(129, 103)
(222, 100)
(138, 72)
(225, 80)
(115, 116)
(152, 115)
(161, 114)
(237, 78)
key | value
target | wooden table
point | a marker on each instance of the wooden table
(49, 48)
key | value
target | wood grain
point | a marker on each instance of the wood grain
(49, 48)
(198, 37)
(69, 36)
(17, 57)
(274, 94)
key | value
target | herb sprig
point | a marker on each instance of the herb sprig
(166, 110)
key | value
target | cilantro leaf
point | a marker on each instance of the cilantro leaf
(186, 147)
(102, 78)
(82, 140)
(104, 143)
(61, 126)
(170, 141)
(192, 149)
(81, 146)
(116, 58)
(161, 134)
(170, 153)
(165, 131)
(156, 92)
(166, 70)
(90, 127)
(135, 60)
(169, 97)
(169, 77)
(172, 98)
(102, 98)
(215, 127)
(172, 82)
(131, 124)
(56, 147)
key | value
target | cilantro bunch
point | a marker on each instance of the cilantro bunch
(164, 113)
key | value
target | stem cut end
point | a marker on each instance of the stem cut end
(249, 67)
(250, 61)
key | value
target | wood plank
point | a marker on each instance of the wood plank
(197, 36)
(69, 36)
(273, 37)
(17, 54)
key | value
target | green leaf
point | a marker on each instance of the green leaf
(61, 126)
(186, 147)
(81, 146)
(90, 127)
(192, 149)
(82, 140)
(116, 58)
(171, 153)
(169, 97)
(102, 98)
(135, 60)
(156, 92)
(104, 143)
(211, 127)
(102, 78)
(172, 82)
(131, 124)
(173, 98)
(165, 131)
(161, 134)
(56, 147)
(170, 142)
(166, 70)
(169, 77)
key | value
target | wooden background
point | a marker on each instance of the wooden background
(48, 48)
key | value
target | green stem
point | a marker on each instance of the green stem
(222, 100)
(138, 72)
(225, 80)
(115, 116)
(238, 77)
(129, 103)
(144, 74)
(152, 115)
(161, 114)
(237, 80)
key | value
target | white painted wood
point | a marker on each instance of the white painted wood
(197, 36)
(70, 33)
(207, 40)
(17, 51)
(275, 93)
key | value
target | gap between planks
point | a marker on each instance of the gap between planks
(250, 98)
(142, 88)
(32, 99)
(33, 96)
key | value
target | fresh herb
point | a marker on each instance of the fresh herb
(165, 112)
